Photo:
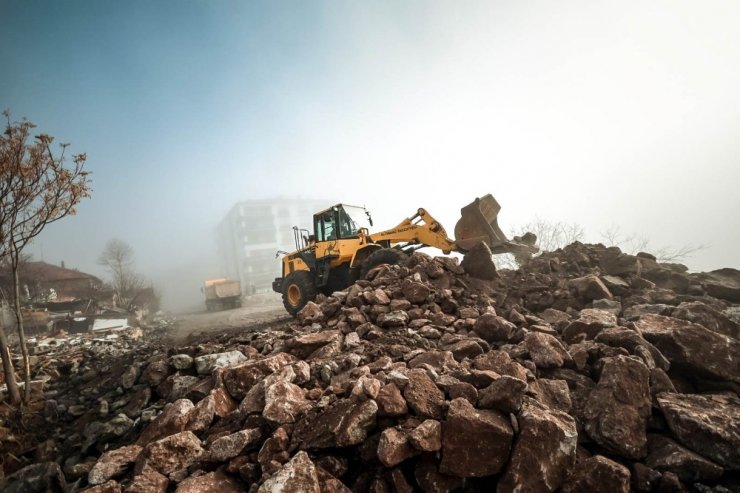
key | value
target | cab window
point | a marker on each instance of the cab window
(347, 227)
(325, 226)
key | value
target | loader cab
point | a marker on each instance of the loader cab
(340, 222)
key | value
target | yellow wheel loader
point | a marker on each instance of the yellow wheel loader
(341, 248)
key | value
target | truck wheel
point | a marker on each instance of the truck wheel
(298, 289)
(389, 256)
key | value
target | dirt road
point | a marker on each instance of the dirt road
(267, 311)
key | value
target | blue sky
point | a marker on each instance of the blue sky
(601, 113)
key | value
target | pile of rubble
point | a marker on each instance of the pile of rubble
(585, 370)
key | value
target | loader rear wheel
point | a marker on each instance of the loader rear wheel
(298, 289)
(389, 256)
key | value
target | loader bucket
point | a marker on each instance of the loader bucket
(479, 222)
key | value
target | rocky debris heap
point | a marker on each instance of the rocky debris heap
(585, 370)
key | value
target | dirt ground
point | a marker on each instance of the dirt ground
(255, 312)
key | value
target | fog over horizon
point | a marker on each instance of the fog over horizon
(603, 114)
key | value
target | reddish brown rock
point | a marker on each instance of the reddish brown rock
(633, 342)
(156, 372)
(598, 473)
(505, 394)
(618, 407)
(501, 363)
(240, 378)
(478, 262)
(707, 424)
(702, 314)
(415, 291)
(475, 443)
(274, 450)
(311, 313)
(590, 322)
(552, 393)
(430, 480)
(666, 455)
(109, 487)
(170, 454)
(214, 482)
(692, 347)
(330, 484)
(201, 417)
(173, 419)
(229, 446)
(545, 350)
(40, 477)
(493, 328)
(297, 476)
(439, 360)
(148, 482)
(304, 345)
(423, 396)
(391, 402)
(590, 287)
(113, 464)
(394, 447)
(284, 403)
(343, 424)
(427, 437)
(544, 452)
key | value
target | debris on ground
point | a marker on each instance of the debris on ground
(587, 369)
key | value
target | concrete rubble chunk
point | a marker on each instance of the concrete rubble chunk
(297, 476)
(205, 364)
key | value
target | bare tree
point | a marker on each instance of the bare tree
(118, 257)
(632, 244)
(37, 187)
(553, 235)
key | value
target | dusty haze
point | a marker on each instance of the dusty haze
(620, 113)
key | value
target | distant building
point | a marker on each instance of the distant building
(41, 279)
(253, 231)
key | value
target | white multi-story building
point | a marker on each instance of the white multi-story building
(253, 232)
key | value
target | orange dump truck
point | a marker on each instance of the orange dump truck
(222, 293)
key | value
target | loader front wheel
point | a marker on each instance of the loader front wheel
(389, 256)
(298, 289)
